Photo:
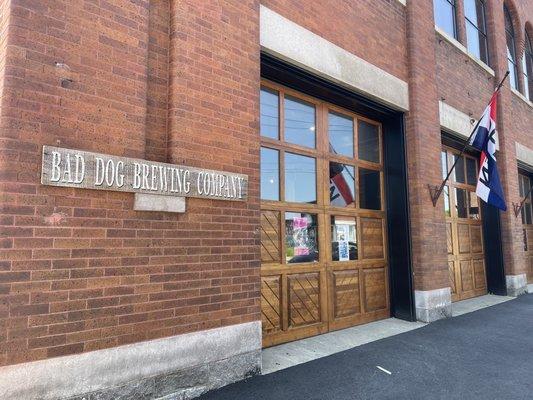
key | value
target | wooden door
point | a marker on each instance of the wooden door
(527, 223)
(464, 231)
(323, 245)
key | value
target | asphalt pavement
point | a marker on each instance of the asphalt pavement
(486, 354)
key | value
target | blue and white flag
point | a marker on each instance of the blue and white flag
(489, 188)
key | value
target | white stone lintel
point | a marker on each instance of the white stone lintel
(157, 202)
(524, 154)
(299, 46)
(457, 122)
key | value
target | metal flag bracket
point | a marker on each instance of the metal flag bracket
(436, 191)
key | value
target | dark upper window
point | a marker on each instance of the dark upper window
(444, 11)
(476, 29)
(527, 68)
(511, 48)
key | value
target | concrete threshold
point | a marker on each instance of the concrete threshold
(301, 351)
(289, 354)
(477, 303)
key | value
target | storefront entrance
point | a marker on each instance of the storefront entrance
(323, 221)
(464, 231)
(524, 182)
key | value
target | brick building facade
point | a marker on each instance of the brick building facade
(88, 283)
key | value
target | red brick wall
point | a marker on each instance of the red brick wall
(466, 86)
(428, 227)
(80, 269)
(179, 81)
(373, 30)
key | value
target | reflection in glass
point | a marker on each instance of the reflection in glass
(511, 48)
(471, 171)
(269, 109)
(476, 33)
(269, 174)
(444, 163)
(341, 184)
(301, 237)
(446, 194)
(526, 214)
(444, 11)
(340, 134)
(368, 141)
(473, 209)
(459, 171)
(300, 178)
(369, 189)
(343, 238)
(299, 122)
(460, 203)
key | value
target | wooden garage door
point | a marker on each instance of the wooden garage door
(527, 223)
(466, 259)
(323, 246)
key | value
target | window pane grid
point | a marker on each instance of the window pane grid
(445, 16)
(476, 29)
(305, 179)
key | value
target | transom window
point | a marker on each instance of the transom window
(511, 48)
(476, 29)
(445, 15)
(527, 67)
(462, 201)
(321, 167)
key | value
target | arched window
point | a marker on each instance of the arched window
(476, 29)
(444, 11)
(527, 67)
(511, 49)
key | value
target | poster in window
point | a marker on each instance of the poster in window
(300, 236)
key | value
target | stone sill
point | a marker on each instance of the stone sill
(522, 97)
(462, 49)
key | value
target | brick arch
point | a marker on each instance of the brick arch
(529, 29)
(516, 20)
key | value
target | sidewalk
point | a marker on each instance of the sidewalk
(486, 354)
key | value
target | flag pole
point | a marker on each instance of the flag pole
(518, 207)
(435, 191)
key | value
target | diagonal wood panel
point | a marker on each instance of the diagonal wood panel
(270, 237)
(476, 239)
(451, 273)
(271, 304)
(372, 237)
(479, 274)
(346, 293)
(375, 289)
(304, 301)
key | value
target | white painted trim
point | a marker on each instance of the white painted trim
(463, 50)
(522, 97)
(296, 45)
(524, 154)
(63, 377)
(403, 2)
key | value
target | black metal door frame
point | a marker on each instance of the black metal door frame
(395, 170)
